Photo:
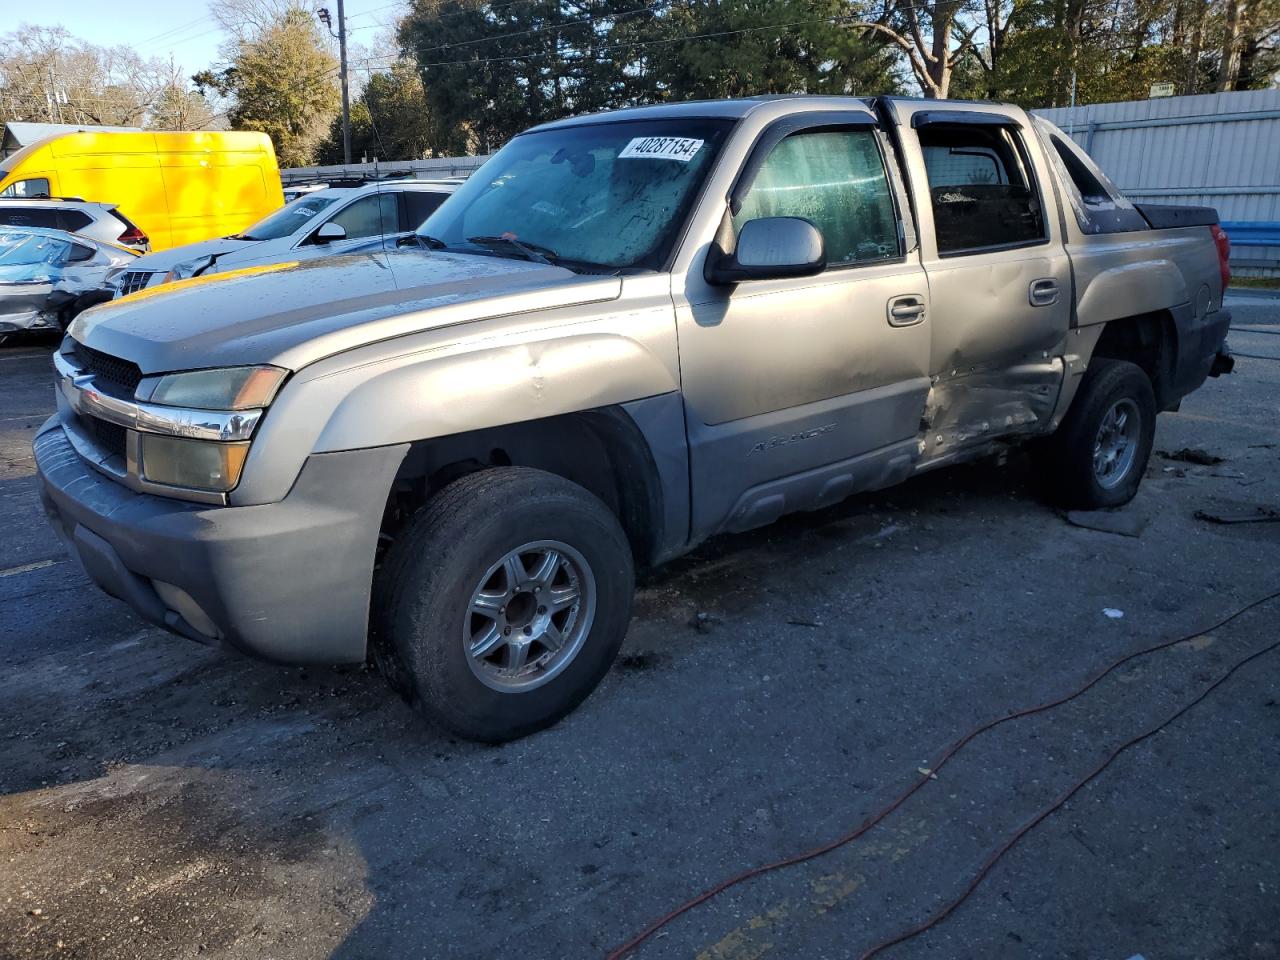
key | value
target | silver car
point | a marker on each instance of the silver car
(48, 276)
(317, 224)
(98, 221)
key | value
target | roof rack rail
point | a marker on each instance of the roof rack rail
(45, 196)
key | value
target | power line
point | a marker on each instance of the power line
(637, 43)
(546, 26)
(173, 30)
(385, 6)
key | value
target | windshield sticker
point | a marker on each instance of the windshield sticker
(550, 209)
(661, 148)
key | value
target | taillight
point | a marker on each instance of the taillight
(133, 236)
(1223, 243)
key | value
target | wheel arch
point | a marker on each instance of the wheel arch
(602, 450)
(1150, 341)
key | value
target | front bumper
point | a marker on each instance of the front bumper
(287, 581)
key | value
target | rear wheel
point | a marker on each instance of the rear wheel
(503, 602)
(1099, 454)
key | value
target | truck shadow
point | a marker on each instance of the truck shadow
(224, 783)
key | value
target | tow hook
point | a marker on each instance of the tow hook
(1223, 362)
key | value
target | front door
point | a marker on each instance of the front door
(801, 391)
(373, 215)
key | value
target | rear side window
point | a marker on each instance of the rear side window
(1091, 190)
(34, 187)
(981, 188)
(28, 217)
(420, 204)
(73, 220)
(1096, 201)
(835, 179)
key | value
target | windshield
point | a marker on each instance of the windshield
(292, 216)
(609, 195)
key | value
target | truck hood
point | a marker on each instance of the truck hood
(293, 314)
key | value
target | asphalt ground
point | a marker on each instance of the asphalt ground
(159, 799)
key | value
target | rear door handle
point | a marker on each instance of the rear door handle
(906, 310)
(1043, 293)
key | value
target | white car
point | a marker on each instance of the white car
(319, 224)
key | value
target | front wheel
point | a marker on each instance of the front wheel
(504, 602)
(1099, 454)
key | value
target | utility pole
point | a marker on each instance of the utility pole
(323, 14)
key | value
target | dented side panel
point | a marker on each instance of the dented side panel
(1126, 274)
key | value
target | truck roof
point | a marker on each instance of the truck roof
(734, 109)
(739, 107)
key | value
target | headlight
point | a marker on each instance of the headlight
(194, 464)
(188, 268)
(229, 388)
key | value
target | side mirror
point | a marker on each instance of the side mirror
(770, 248)
(329, 232)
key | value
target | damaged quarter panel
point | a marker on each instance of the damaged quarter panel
(453, 379)
(1126, 274)
(45, 275)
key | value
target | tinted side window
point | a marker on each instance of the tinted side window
(421, 204)
(26, 217)
(1089, 186)
(35, 187)
(369, 216)
(981, 188)
(836, 179)
(73, 220)
(79, 254)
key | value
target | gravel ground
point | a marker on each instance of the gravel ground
(158, 799)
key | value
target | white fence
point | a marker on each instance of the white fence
(434, 169)
(1219, 150)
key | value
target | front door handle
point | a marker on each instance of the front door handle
(906, 310)
(1043, 293)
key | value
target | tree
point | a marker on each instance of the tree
(489, 71)
(389, 119)
(178, 107)
(803, 46)
(48, 75)
(283, 81)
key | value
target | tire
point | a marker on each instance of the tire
(499, 675)
(1099, 454)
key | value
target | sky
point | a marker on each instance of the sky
(183, 28)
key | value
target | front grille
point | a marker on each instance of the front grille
(135, 280)
(110, 437)
(110, 374)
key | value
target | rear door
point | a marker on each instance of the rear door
(800, 391)
(999, 276)
(420, 204)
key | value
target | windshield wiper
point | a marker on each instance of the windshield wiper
(530, 251)
(422, 240)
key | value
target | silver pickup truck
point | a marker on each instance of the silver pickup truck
(625, 334)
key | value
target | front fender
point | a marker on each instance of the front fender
(487, 388)
(440, 384)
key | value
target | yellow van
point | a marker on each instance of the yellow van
(177, 187)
